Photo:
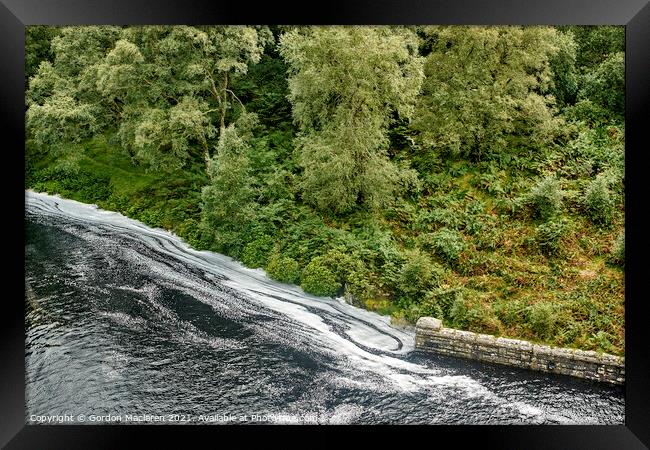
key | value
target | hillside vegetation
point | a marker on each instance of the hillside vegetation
(474, 174)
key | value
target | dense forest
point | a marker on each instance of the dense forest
(474, 174)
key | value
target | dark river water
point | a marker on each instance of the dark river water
(127, 324)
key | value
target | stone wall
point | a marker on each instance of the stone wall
(431, 336)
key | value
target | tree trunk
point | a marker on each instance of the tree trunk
(206, 156)
(224, 103)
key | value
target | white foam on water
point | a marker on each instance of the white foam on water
(124, 319)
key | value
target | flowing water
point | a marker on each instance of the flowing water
(125, 321)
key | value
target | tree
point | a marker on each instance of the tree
(605, 86)
(565, 73)
(482, 85)
(595, 43)
(228, 201)
(162, 87)
(346, 84)
(38, 39)
(63, 103)
(600, 68)
(62, 119)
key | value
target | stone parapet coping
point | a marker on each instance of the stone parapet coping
(432, 336)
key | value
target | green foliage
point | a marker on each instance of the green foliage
(158, 85)
(490, 238)
(38, 39)
(164, 138)
(548, 235)
(468, 312)
(70, 180)
(63, 104)
(345, 84)
(445, 243)
(283, 269)
(565, 73)
(256, 252)
(189, 129)
(598, 202)
(600, 71)
(546, 198)
(441, 301)
(228, 201)
(436, 303)
(484, 83)
(596, 43)
(350, 271)
(605, 86)
(190, 230)
(318, 279)
(594, 151)
(511, 312)
(542, 319)
(618, 250)
(411, 312)
(417, 276)
(60, 120)
(264, 90)
(446, 217)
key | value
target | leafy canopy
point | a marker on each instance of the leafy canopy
(483, 84)
(346, 84)
(162, 87)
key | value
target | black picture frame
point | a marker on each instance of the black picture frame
(16, 14)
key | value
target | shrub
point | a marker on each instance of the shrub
(490, 238)
(548, 235)
(224, 241)
(445, 243)
(418, 275)
(350, 271)
(541, 319)
(429, 308)
(602, 340)
(318, 279)
(411, 313)
(447, 217)
(605, 85)
(514, 207)
(546, 198)
(475, 220)
(598, 202)
(441, 301)
(357, 286)
(152, 217)
(568, 330)
(587, 111)
(618, 250)
(256, 253)
(469, 313)
(390, 260)
(67, 176)
(191, 231)
(510, 312)
(283, 269)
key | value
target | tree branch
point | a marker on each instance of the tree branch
(237, 98)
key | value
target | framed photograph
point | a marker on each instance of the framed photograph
(361, 216)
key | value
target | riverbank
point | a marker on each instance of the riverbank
(499, 282)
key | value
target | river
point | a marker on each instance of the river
(127, 323)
